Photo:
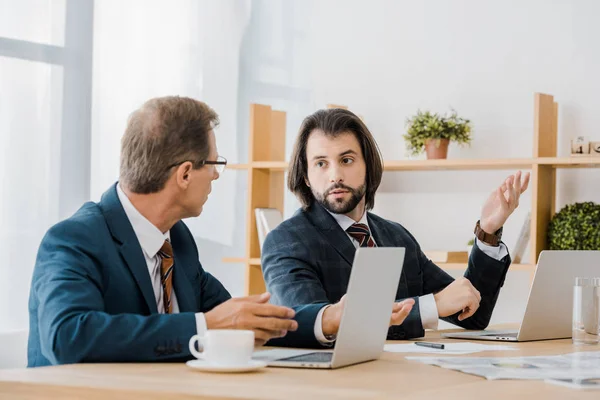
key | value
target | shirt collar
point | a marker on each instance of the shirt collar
(150, 237)
(346, 222)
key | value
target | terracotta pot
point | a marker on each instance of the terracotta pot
(436, 148)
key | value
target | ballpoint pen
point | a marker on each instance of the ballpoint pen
(432, 345)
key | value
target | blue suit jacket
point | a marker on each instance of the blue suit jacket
(91, 297)
(308, 258)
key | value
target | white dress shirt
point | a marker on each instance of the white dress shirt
(151, 240)
(427, 306)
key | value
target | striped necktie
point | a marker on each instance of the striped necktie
(166, 275)
(360, 232)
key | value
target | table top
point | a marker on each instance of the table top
(392, 376)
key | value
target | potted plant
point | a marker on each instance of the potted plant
(575, 227)
(433, 133)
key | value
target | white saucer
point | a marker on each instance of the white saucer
(203, 365)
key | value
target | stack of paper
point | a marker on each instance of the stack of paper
(583, 365)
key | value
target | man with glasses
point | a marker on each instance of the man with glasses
(120, 280)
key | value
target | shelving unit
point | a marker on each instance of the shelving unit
(266, 186)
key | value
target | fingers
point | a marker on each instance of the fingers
(257, 298)
(477, 295)
(511, 192)
(517, 184)
(271, 324)
(469, 311)
(264, 335)
(270, 310)
(472, 300)
(399, 316)
(472, 289)
(472, 306)
(398, 305)
(525, 182)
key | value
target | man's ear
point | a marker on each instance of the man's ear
(183, 174)
(306, 182)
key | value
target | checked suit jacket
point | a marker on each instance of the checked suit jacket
(308, 259)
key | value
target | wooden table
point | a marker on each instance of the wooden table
(392, 376)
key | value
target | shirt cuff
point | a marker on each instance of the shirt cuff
(429, 312)
(319, 328)
(495, 252)
(201, 327)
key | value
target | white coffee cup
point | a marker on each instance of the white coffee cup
(225, 347)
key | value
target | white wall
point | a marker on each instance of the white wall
(386, 59)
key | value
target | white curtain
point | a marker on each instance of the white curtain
(144, 49)
(30, 130)
(141, 49)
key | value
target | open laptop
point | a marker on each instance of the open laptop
(550, 304)
(365, 319)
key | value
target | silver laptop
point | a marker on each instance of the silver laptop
(365, 319)
(549, 307)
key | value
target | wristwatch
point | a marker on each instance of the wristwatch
(492, 239)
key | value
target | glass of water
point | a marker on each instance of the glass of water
(586, 311)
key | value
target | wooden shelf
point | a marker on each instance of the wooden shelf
(444, 266)
(455, 164)
(266, 179)
(234, 260)
(458, 164)
(238, 166)
(463, 266)
(271, 165)
(571, 162)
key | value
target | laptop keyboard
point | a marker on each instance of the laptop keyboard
(311, 357)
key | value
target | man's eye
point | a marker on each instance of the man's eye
(320, 164)
(347, 160)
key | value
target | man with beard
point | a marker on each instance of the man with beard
(335, 170)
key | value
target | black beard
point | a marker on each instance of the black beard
(339, 206)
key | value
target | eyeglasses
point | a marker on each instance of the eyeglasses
(219, 164)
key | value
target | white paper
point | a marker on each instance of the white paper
(582, 365)
(590, 383)
(449, 348)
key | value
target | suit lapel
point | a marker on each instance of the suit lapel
(384, 239)
(332, 232)
(379, 235)
(129, 246)
(181, 284)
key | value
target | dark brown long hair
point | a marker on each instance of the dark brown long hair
(334, 122)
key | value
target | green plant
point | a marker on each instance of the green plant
(575, 227)
(471, 242)
(425, 125)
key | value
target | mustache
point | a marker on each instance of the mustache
(338, 186)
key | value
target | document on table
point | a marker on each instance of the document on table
(449, 348)
(581, 365)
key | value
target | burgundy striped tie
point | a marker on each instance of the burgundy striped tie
(166, 275)
(360, 232)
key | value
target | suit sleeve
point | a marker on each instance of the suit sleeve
(289, 275)
(485, 273)
(304, 336)
(73, 324)
(488, 276)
